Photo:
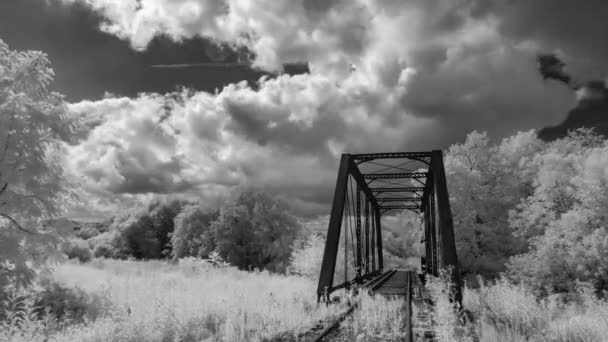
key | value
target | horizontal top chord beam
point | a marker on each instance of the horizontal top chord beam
(399, 206)
(403, 189)
(395, 175)
(392, 155)
(399, 199)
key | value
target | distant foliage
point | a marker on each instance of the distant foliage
(402, 234)
(76, 248)
(104, 251)
(255, 230)
(193, 235)
(147, 235)
(110, 244)
(33, 123)
(307, 256)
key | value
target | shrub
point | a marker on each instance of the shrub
(307, 256)
(77, 249)
(67, 303)
(255, 230)
(193, 234)
(104, 251)
(447, 316)
(114, 245)
(147, 235)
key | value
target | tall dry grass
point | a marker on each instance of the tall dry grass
(505, 312)
(190, 301)
(377, 318)
(510, 312)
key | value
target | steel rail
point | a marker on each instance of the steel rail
(333, 325)
(378, 281)
(409, 334)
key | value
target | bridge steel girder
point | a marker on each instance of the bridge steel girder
(366, 260)
(404, 189)
(423, 157)
(400, 206)
(399, 199)
(328, 265)
(373, 238)
(433, 231)
(447, 244)
(377, 218)
(358, 231)
(434, 204)
(395, 175)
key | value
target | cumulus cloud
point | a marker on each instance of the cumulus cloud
(385, 75)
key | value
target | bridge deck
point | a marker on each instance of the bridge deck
(395, 284)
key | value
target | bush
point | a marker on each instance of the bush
(77, 249)
(147, 235)
(45, 307)
(104, 251)
(255, 230)
(67, 303)
(193, 234)
(113, 243)
(307, 256)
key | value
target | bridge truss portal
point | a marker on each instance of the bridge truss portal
(370, 185)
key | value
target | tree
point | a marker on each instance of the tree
(193, 234)
(307, 256)
(34, 122)
(564, 218)
(401, 235)
(254, 229)
(147, 235)
(485, 182)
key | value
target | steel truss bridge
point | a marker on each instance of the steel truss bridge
(369, 186)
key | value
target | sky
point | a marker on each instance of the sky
(373, 76)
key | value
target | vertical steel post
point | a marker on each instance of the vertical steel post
(346, 250)
(358, 232)
(448, 257)
(378, 217)
(427, 236)
(366, 236)
(434, 228)
(328, 265)
(373, 236)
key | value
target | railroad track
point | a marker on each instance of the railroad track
(333, 325)
(375, 286)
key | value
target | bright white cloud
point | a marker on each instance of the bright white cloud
(385, 75)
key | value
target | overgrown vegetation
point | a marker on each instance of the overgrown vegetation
(502, 311)
(531, 209)
(192, 300)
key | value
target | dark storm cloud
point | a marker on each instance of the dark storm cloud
(88, 62)
(578, 29)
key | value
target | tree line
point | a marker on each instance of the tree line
(251, 230)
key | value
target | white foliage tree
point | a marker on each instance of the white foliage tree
(486, 181)
(33, 123)
(565, 218)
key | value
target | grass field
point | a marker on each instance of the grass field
(190, 301)
(194, 301)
